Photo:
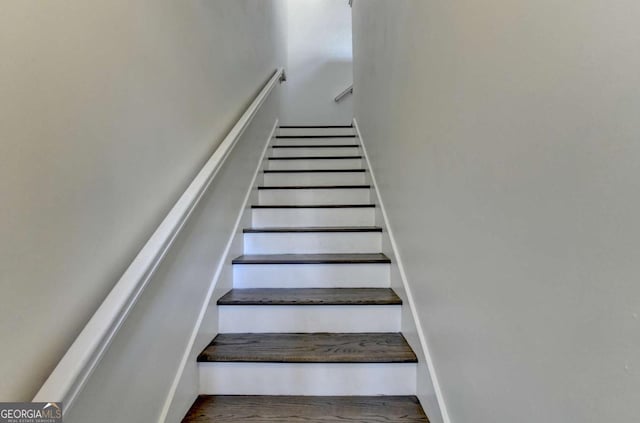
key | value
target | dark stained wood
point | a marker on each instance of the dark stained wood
(317, 146)
(311, 206)
(314, 187)
(310, 296)
(314, 170)
(309, 348)
(315, 126)
(316, 158)
(313, 229)
(311, 258)
(271, 409)
(316, 136)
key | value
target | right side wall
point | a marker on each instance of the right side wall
(505, 138)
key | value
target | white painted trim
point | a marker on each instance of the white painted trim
(78, 363)
(411, 303)
(186, 356)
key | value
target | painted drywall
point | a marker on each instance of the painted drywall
(107, 111)
(319, 62)
(504, 138)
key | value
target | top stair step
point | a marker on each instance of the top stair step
(312, 259)
(316, 130)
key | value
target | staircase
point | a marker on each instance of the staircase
(310, 330)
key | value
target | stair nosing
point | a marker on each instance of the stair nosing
(391, 300)
(312, 229)
(301, 259)
(313, 136)
(318, 146)
(314, 126)
(297, 187)
(363, 358)
(314, 170)
(317, 158)
(313, 206)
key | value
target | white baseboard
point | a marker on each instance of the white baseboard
(422, 348)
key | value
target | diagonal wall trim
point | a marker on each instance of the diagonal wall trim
(411, 303)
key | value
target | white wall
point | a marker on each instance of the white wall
(504, 137)
(319, 62)
(107, 110)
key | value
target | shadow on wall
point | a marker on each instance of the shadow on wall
(309, 95)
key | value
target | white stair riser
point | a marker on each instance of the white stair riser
(361, 275)
(293, 152)
(307, 378)
(314, 178)
(269, 197)
(313, 243)
(315, 141)
(287, 218)
(316, 131)
(307, 164)
(308, 318)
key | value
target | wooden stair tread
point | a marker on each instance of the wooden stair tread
(310, 296)
(314, 170)
(311, 206)
(313, 229)
(270, 409)
(317, 146)
(309, 348)
(268, 187)
(315, 136)
(311, 258)
(316, 158)
(315, 126)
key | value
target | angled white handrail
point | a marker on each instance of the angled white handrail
(343, 94)
(77, 365)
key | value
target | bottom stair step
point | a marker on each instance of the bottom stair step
(265, 409)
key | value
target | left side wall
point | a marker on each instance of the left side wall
(107, 111)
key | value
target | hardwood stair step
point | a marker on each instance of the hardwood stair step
(317, 146)
(311, 259)
(311, 206)
(310, 409)
(309, 348)
(315, 171)
(316, 158)
(310, 296)
(271, 187)
(313, 229)
(315, 136)
(314, 126)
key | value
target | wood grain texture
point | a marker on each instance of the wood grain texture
(311, 296)
(270, 409)
(313, 229)
(311, 258)
(309, 348)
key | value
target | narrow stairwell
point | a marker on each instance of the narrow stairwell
(310, 331)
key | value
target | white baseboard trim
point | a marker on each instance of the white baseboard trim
(411, 303)
(188, 352)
